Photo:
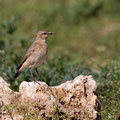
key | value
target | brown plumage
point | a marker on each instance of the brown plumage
(36, 53)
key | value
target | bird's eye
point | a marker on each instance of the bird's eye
(44, 33)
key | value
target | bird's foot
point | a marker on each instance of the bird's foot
(40, 80)
(35, 81)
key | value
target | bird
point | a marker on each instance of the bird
(35, 54)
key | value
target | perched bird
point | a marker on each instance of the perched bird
(35, 55)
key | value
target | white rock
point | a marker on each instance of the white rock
(75, 98)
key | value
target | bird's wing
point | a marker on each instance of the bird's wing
(30, 51)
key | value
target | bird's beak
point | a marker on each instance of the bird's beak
(51, 33)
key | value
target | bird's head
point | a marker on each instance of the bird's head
(44, 34)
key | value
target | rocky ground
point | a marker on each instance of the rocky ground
(75, 99)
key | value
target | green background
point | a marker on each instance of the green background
(87, 41)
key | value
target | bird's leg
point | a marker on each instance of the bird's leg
(38, 74)
(33, 76)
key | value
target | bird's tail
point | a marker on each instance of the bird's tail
(18, 71)
(17, 74)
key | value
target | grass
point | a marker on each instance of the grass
(87, 42)
(25, 112)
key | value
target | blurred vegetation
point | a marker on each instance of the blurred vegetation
(87, 42)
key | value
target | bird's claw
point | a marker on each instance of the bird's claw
(35, 81)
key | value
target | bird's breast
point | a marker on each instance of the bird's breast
(40, 55)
